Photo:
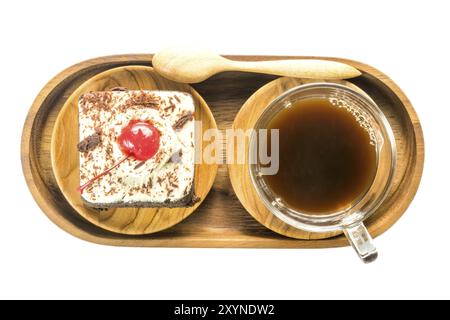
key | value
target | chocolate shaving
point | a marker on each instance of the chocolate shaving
(142, 99)
(173, 180)
(182, 121)
(170, 108)
(89, 143)
(140, 164)
(95, 101)
(158, 157)
(153, 104)
(145, 100)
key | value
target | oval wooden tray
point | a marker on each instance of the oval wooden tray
(221, 221)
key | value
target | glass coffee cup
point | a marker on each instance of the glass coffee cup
(349, 219)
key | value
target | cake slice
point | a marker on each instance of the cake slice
(137, 148)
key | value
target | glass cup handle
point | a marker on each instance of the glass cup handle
(362, 242)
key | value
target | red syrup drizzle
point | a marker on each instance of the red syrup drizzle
(139, 139)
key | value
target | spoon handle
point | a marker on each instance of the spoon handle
(301, 68)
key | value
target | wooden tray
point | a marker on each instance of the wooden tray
(221, 221)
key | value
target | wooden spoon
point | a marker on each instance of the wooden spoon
(191, 65)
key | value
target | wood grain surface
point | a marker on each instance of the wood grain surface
(65, 156)
(221, 220)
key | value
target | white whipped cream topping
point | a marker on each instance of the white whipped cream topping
(158, 179)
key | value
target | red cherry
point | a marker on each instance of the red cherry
(139, 139)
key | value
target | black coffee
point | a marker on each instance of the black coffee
(326, 158)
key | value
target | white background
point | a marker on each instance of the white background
(407, 40)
